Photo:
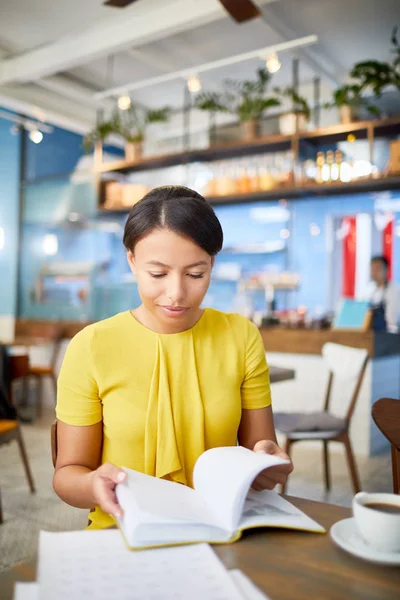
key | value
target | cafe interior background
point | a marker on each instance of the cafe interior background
(99, 105)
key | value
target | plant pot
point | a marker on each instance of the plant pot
(133, 151)
(348, 114)
(290, 123)
(250, 129)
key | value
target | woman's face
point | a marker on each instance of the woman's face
(173, 275)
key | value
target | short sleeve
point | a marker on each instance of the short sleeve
(256, 390)
(78, 401)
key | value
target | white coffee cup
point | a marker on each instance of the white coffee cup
(380, 529)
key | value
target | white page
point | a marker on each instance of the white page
(246, 587)
(268, 508)
(223, 476)
(160, 511)
(26, 591)
(96, 565)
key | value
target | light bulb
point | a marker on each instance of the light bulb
(124, 102)
(273, 63)
(285, 234)
(314, 229)
(35, 136)
(50, 244)
(194, 84)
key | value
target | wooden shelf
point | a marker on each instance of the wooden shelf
(362, 130)
(300, 191)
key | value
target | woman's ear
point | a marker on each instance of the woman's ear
(212, 261)
(131, 261)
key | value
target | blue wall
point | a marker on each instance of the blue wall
(9, 215)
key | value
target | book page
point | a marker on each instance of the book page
(158, 511)
(26, 591)
(268, 508)
(223, 476)
(96, 565)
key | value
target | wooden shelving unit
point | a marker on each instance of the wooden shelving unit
(368, 130)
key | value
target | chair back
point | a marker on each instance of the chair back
(386, 414)
(53, 438)
(348, 366)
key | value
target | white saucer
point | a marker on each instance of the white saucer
(345, 535)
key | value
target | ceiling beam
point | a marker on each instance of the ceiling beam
(139, 24)
(321, 64)
(42, 105)
(261, 53)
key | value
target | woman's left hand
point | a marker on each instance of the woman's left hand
(269, 478)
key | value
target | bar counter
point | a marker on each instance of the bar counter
(310, 341)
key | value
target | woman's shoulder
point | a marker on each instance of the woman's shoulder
(217, 319)
(112, 326)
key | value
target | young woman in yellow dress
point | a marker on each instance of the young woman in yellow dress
(153, 388)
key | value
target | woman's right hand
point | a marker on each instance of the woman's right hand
(103, 483)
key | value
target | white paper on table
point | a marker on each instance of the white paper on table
(246, 587)
(26, 591)
(97, 565)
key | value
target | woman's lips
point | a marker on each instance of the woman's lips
(174, 311)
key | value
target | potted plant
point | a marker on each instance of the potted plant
(247, 100)
(297, 118)
(102, 131)
(349, 102)
(376, 75)
(132, 127)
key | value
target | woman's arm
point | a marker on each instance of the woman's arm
(78, 479)
(257, 432)
(256, 425)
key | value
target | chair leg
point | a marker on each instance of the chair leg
(39, 396)
(327, 466)
(1, 511)
(25, 461)
(287, 448)
(351, 464)
(396, 470)
(54, 384)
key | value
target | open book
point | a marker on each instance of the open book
(158, 512)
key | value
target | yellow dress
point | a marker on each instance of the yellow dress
(163, 398)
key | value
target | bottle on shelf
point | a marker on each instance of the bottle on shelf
(336, 167)
(330, 159)
(320, 165)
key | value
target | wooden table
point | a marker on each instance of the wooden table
(288, 565)
(279, 374)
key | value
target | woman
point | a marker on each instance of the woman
(153, 388)
(384, 297)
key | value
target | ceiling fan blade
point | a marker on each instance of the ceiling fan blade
(241, 10)
(118, 3)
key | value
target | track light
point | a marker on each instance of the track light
(35, 136)
(194, 84)
(124, 102)
(273, 63)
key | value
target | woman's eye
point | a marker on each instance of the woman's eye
(196, 276)
(157, 275)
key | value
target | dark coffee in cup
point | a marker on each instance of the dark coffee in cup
(393, 509)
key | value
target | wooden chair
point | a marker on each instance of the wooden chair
(386, 414)
(53, 333)
(346, 365)
(9, 428)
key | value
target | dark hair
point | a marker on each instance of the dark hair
(179, 209)
(382, 259)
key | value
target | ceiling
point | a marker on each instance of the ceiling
(54, 56)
